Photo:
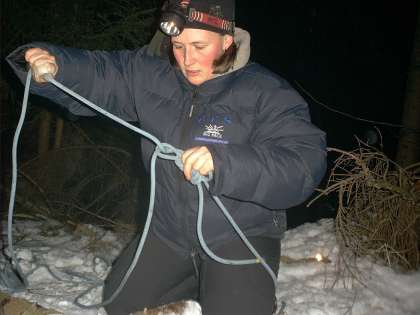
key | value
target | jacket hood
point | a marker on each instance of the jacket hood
(243, 41)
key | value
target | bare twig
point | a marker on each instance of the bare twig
(378, 211)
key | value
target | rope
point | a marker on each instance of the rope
(162, 150)
(12, 276)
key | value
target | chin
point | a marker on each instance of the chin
(196, 81)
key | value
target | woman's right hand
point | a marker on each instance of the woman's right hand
(41, 62)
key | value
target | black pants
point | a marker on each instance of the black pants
(163, 275)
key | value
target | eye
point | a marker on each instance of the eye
(200, 47)
(177, 46)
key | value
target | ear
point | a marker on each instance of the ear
(227, 41)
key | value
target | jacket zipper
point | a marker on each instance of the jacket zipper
(193, 255)
(193, 102)
(185, 134)
(187, 124)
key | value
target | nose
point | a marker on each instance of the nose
(188, 57)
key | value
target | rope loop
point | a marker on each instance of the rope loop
(168, 152)
(167, 148)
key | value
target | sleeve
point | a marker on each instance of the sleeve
(284, 161)
(102, 77)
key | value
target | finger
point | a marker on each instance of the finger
(207, 166)
(195, 160)
(47, 68)
(43, 68)
(190, 158)
(186, 154)
(36, 59)
(199, 164)
(203, 162)
(32, 52)
(185, 157)
(41, 62)
(42, 65)
(36, 54)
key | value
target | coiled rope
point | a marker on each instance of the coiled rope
(162, 150)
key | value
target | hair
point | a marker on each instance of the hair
(226, 61)
(221, 65)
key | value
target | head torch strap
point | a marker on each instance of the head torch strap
(201, 17)
(185, 3)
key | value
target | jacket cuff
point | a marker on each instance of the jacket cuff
(16, 60)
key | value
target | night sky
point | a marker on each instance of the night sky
(351, 55)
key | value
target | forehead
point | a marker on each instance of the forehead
(191, 35)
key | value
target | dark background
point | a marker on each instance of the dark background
(352, 56)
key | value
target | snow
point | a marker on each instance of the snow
(62, 264)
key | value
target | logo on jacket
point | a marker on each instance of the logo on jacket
(212, 128)
(213, 131)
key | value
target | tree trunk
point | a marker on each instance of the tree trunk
(58, 133)
(409, 141)
(44, 132)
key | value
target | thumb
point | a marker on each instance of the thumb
(44, 68)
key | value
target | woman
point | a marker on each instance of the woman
(233, 118)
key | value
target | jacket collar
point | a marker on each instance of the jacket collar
(243, 41)
(212, 86)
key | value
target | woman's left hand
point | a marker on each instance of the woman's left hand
(198, 159)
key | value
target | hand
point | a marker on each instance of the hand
(198, 159)
(41, 62)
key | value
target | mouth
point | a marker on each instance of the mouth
(192, 73)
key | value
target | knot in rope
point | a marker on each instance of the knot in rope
(169, 152)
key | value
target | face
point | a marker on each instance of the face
(195, 51)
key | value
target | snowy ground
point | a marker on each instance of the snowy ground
(62, 265)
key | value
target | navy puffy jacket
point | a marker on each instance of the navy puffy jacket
(267, 155)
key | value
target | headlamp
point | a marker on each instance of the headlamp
(176, 14)
(173, 19)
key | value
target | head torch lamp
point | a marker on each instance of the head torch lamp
(173, 18)
(177, 13)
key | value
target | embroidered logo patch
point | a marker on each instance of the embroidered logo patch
(214, 131)
(213, 128)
